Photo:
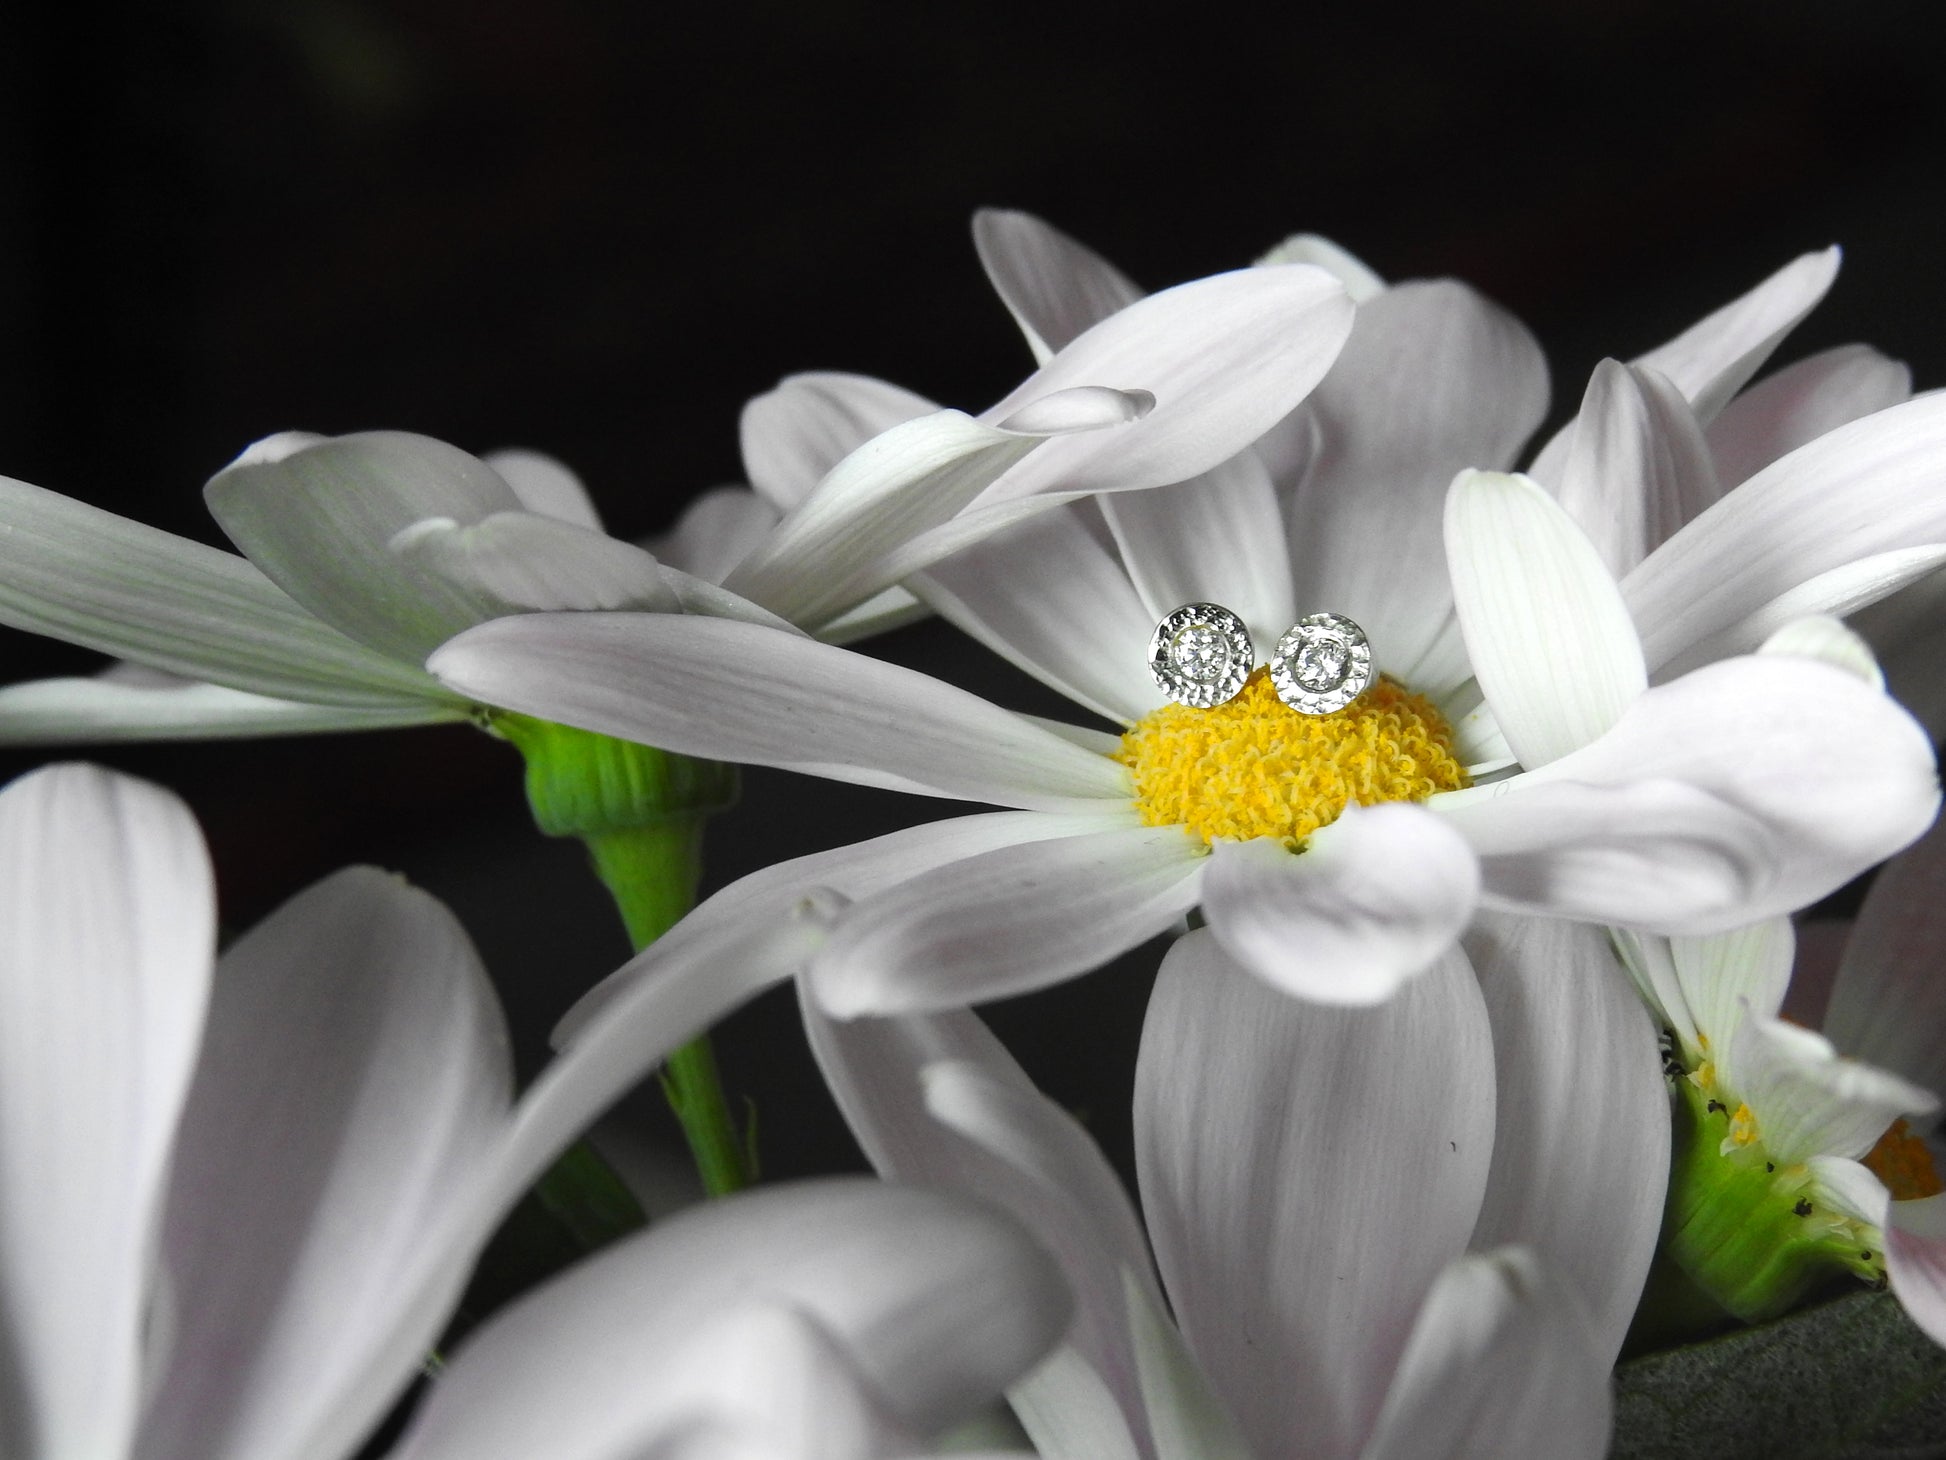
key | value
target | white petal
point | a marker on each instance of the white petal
(354, 1073)
(1800, 403)
(1830, 640)
(936, 1101)
(1728, 977)
(1861, 490)
(1435, 378)
(1189, 1421)
(1915, 1260)
(1581, 1140)
(78, 711)
(524, 563)
(740, 692)
(1306, 1173)
(1548, 635)
(1502, 1365)
(1372, 900)
(1809, 1102)
(1638, 468)
(320, 521)
(716, 532)
(1225, 358)
(1051, 599)
(1888, 1003)
(1219, 539)
(1068, 1412)
(1829, 775)
(1008, 921)
(1851, 1188)
(795, 434)
(545, 486)
(80, 574)
(934, 1304)
(1054, 287)
(1312, 248)
(105, 946)
(893, 608)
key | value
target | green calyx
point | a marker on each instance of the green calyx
(1749, 1232)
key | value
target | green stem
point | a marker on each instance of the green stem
(640, 812)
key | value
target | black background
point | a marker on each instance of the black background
(596, 228)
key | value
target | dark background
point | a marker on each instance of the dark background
(596, 228)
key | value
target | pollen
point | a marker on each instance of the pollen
(1902, 1162)
(1254, 767)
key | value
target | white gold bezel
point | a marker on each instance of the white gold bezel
(1201, 692)
(1308, 696)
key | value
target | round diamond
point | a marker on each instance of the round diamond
(1200, 655)
(1322, 664)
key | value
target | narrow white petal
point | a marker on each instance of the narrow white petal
(1888, 1003)
(355, 1072)
(1638, 468)
(1306, 1173)
(1068, 1412)
(740, 692)
(1581, 1140)
(1219, 539)
(1800, 403)
(1188, 1420)
(1851, 1188)
(794, 434)
(320, 520)
(77, 573)
(1861, 490)
(91, 711)
(1546, 629)
(1502, 1365)
(891, 608)
(1009, 921)
(1810, 1102)
(1729, 977)
(1828, 639)
(716, 532)
(1054, 287)
(546, 486)
(933, 1304)
(1434, 379)
(1372, 900)
(105, 948)
(1225, 358)
(521, 562)
(1360, 282)
(1915, 1260)
(1051, 599)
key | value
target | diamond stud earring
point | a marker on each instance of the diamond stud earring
(1200, 655)
(1322, 664)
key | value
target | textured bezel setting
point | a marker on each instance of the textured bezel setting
(1201, 655)
(1322, 664)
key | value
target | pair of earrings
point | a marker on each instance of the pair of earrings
(1201, 655)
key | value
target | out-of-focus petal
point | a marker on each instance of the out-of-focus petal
(1374, 899)
(545, 486)
(1915, 1261)
(1581, 1139)
(1810, 1102)
(1830, 640)
(1888, 1002)
(716, 532)
(1638, 467)
(91, 711)
(932, 1303)
(354, 1072)
(1434, 379)
(77, 573)
(525, 563)
(740, 692)
(1865, 489)
(1306, 1173)
(1360, 282)
(1546, 629)
(106, 941)
(1502, 1365)
(1055, 287)
(318, 514)
(1800, 403)
(1008, 921)
(793, 435)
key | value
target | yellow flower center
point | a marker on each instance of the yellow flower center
(1254, 767)
(1902, 1162)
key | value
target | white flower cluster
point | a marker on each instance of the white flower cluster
(1405, 1132)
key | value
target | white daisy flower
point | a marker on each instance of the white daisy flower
(362, 553)
(243, 1194)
